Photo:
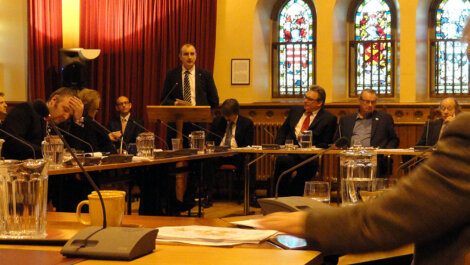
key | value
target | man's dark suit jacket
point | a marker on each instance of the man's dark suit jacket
(429, 208)
(206, 92)
(244, 132)
(383, 133)
(431, 132)
(323, 127)
(132, 130)
(23, 122)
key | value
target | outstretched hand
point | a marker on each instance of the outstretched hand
(290, 223)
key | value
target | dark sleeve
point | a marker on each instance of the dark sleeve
(211, 90)
(327, 133)
(424, 207)
(19, 122)
(283, 131)
(249, 133)
(167, 89)
(393, 140)
(425, 135)
(215, 129)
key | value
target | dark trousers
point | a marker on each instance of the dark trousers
(293, 185)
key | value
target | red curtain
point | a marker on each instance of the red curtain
(44, 43)
(140, 41)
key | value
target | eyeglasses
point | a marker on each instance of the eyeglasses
(310, 99)
(372, 102)
(123, 103)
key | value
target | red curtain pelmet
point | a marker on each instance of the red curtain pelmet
(44, 43)
(139, 42)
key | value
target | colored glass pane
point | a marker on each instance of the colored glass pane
(373, 21)
(295, 22)
(373, 34)
(451, 62)
(295, 49)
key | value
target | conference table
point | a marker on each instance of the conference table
(258, 150)
(62, 226)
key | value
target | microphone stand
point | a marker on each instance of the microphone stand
(76, 138)
(339, 143)
(20, 140)
(173, 129)
(169, 93)
(206, 130)
(118, 243)
(415, 160)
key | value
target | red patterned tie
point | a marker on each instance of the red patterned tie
(306, 123)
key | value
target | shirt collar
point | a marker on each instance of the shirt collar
(125, 117)
(191, 71)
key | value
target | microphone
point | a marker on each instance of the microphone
(20, 140)
(341, 142)
(145, 129)
(121, 243)
(294, 203)
(76, 138)
(427, 132)
(169, 93)
(415, 160)
(206, 130)
(269, 133)
(173, 129)
(108, 132)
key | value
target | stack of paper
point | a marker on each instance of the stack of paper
(212, 236)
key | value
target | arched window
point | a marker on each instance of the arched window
(372, 47)
(449, 69)
(293, 48)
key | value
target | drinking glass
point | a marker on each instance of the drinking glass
(175, 144)
(53, 150)
(317, 190)
(210, 146)
(305, 139)
(289, 144)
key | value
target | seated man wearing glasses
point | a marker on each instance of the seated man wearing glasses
(433, 129)
(370, 128)
(124, 124)
(311, 117)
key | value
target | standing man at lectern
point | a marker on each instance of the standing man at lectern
(188, 85)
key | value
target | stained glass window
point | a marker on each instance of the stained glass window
(293, 54)
(450, 69)
(371, 55)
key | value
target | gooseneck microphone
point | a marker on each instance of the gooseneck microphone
(417, 159)
(341, 142)
(108, 132)
(206, 130)
(145, 129)
(76, 138)
(118, 243)
(269, 133)
(20, 140)
(173, 129)
(169, 93)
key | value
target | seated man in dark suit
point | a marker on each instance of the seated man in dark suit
(311, 117)
(433, 129)
(124, 124)
(232, 130)
(370, 128)
(26, 121)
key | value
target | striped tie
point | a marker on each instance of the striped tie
(187, 87)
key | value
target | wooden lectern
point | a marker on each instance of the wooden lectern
(179, 114)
